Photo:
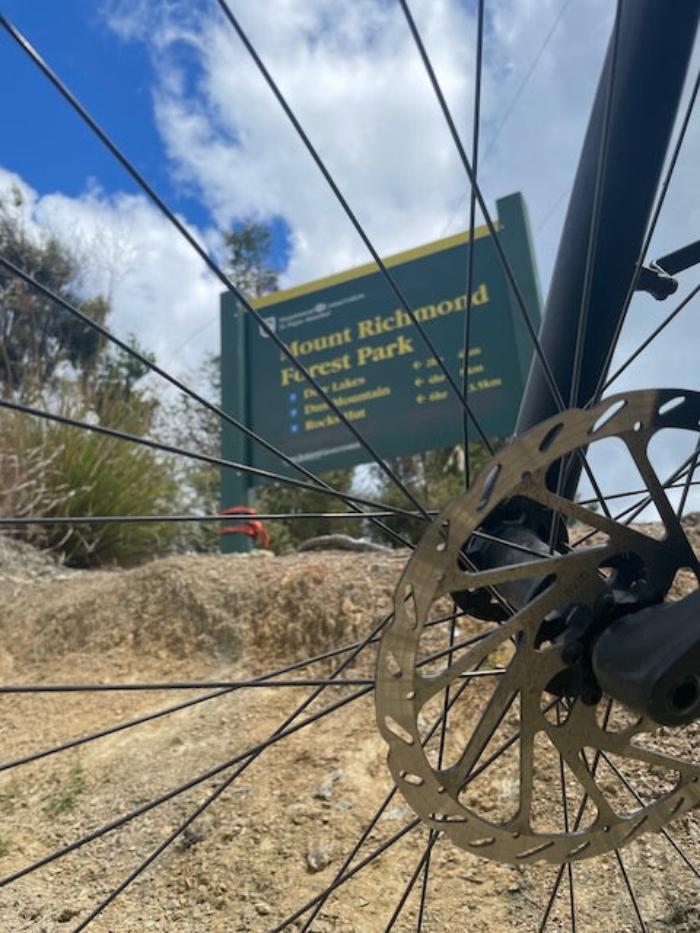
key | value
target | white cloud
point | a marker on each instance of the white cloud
(353, 76)
(158, 287)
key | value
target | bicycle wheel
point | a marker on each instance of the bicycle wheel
(524, 757)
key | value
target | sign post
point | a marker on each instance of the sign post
(235, 487)
(360, 345)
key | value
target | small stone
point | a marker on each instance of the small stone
(317, 856)
(263, 909)
(67, 914)
(192, 835)
(325, 790)
(398, 813)
(302, 812)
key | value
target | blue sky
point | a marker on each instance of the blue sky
(114, 80)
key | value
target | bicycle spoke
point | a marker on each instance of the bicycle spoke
(668, 484)
(511, 106)
(664, 832)
(424, 888)
(349, 874)
(661, 501)
(630, 890)
(142, 866)
(218, 517)
(259, 516)
(373, 822)
(326, 893)
(446, 700)
(650, 339)
(111, 730)
(81, 740)
(565, 808)
(577, 822)
(470, 248)
(229, 685)
(451, 674)
(441, 754)
(632, 511)
(179, 384)
(214, 267)
(636, 492)
(526, 78)
(687, 484)
(550, 212)
(422, 863)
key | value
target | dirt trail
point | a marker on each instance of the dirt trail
(278, 834)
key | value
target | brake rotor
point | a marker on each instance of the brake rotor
(518, 697)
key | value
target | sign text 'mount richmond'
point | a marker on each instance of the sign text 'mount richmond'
(353, 337)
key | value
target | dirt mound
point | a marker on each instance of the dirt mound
(288, 607)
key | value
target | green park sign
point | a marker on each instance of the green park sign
(363, 349)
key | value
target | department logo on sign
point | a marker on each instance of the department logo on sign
(271, 323)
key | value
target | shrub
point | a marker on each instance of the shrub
(61, 471)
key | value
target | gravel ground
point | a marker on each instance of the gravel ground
(280, 832)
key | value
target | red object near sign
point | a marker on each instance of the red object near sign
(252, 527)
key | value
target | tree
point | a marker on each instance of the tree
(36, 337)
(249, 261)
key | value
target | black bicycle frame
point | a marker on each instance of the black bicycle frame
(651, 56)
